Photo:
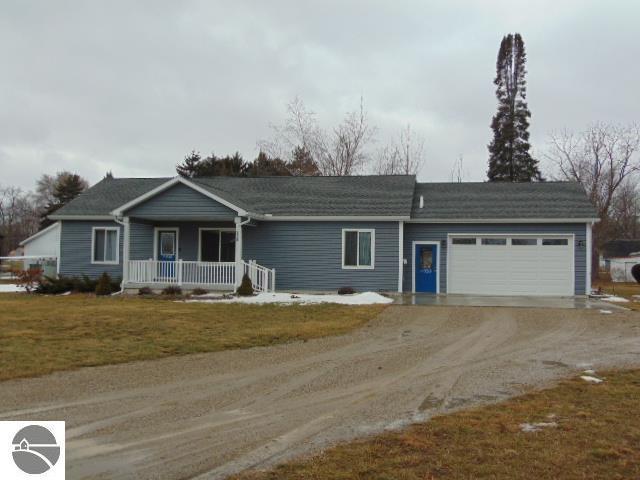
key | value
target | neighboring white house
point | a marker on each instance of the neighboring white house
(620, 268)
(42, 249)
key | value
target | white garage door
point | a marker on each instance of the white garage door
(511, 265)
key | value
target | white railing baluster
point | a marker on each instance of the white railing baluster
(204, 274)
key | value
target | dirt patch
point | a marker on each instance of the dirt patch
(218, 413)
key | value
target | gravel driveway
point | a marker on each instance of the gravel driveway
(214, 414)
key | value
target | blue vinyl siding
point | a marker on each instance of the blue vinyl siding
(75, 250)
(308, 255)
(142, 238)
(141, 241)
(181, 202)
(438, 232)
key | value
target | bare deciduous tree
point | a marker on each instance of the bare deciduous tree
(625, 211)
(402, 157)
(601, 158)
(342, 151)
(604, 160)
(457, 172)
(18, 217)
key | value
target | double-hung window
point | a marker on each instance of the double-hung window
(358, 248)
(105, 242)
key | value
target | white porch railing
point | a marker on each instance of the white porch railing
(181, 273)
(262, 278)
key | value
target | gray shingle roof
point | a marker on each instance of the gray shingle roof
(285, 196)
(393, 196)
(501, 200)
(109, 194)
(317, 196)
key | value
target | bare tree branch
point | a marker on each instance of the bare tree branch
(402, 157)
(341, 151)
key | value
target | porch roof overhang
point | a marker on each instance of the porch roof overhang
(182, 218)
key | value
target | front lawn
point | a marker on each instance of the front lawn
(42, 334)
(626, 290)
(596, 436)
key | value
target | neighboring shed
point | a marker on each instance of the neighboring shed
(620, 268)
(42, 249)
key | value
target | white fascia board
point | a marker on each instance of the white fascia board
(328, 218)
(507, 220)
(81, 217)
(168, 184)
(53, 226)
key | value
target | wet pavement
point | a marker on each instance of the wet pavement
(511, 301)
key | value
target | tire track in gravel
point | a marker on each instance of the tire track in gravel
(210, 415)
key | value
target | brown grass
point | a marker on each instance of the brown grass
(42, 334)
(626, 290)
(598, 437)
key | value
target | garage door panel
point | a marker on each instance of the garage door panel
(512, 269)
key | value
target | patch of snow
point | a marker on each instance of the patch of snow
(589, 372)
(590, 379)
(365, 298)
(613, 298)
(535, 427)
(606, 312)
(10, 288)
(64, 294)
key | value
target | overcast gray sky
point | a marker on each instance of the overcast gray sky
(132, 86)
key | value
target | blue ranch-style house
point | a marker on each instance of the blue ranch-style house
(379, 233)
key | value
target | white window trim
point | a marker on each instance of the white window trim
(93, 244)
(155, 240)
(200, 230)
(372, 231)
(414, 244)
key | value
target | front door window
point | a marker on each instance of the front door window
(426, 275)
(426, 259)
(167, 242)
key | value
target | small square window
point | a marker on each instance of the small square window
(524, 241)
(105, 245)
(494, 241)
(555, 241)
(464, 241)
(358, 248)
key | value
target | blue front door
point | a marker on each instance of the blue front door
(167, 253)
(426, 268)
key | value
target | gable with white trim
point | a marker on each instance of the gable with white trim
(180, 202)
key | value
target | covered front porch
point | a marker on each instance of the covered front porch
(188, 254)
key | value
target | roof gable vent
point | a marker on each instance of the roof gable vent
(421, 201)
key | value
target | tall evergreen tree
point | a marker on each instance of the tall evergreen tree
(67, 186)
(190, 166)
(265, 166)
(509, 158)
(303, 164)
(195, 166)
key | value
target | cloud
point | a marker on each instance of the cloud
(133, 86)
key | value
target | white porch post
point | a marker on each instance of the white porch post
(125, 250)
(400, 254)
(588, 259)
(238, 259)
